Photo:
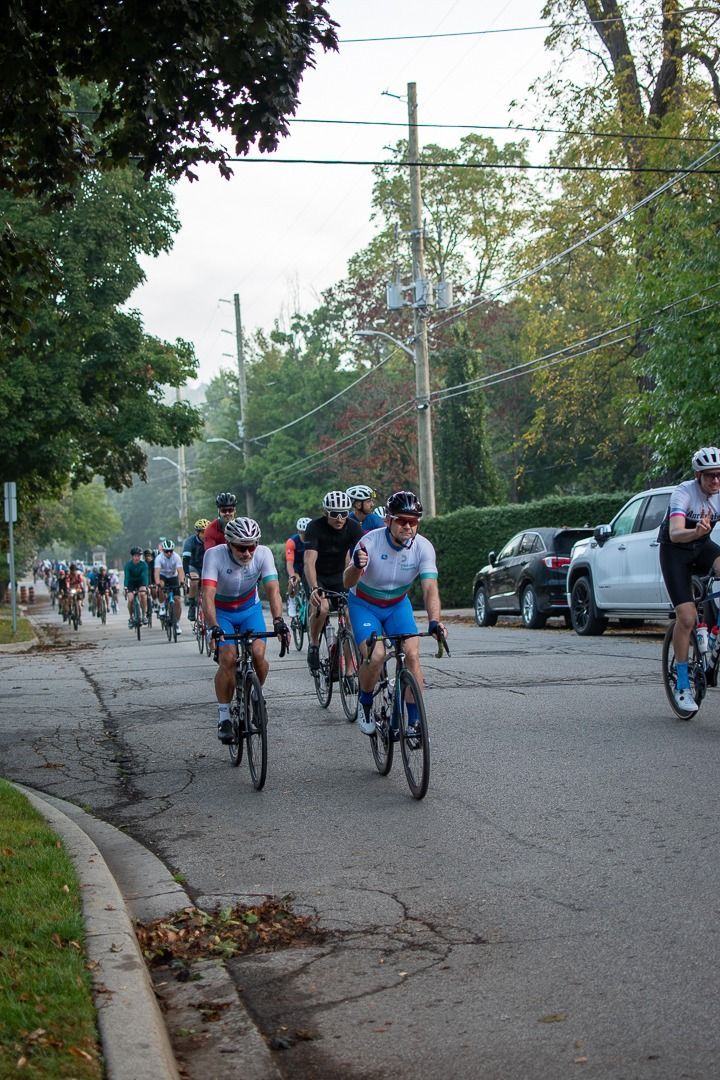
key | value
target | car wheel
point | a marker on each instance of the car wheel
(532, 617)
(483, 615)
(583, 612)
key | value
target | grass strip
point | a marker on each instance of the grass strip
(47, 1015)
(25, 630)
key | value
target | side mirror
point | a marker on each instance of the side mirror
(602, 533)
(491, 557)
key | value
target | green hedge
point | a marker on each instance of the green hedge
(463, 539)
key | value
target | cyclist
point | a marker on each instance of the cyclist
(102, 588)
(192, 560)
(329, 541)
(294, 562)
(686, 549)
(169, 574)
(63, 593)
(76, 581)
(230, 575)
(215, 531)
(363, 507)
(384, 565)
(136, 579)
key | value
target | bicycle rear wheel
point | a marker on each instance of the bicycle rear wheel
(349, 665)
(381, 742)
(298, 631)
(323, 676)
(696, 672)
(256, 730)
(415, 747)
(237, 718)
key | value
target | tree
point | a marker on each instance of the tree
(82, 519)
(466, 475)
(82, 384)
(163, 83)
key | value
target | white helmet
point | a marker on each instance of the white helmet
(337, 500)
(242, 530)
(302, 523)
(361, 492)
(706, 458)
(168, 545)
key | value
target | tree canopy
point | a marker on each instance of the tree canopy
(166, 79)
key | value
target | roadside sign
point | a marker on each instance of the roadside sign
(11, 501)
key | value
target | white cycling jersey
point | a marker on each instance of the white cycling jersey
(236, 583)
(390, 569)
(689, 502)
(168, 564)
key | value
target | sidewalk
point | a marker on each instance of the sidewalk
(121, 881)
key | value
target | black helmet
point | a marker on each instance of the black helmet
(135, 551)
(404, 502)
(226, 498)
(148, 551)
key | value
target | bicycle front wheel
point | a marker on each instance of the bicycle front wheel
(349, 663)
(237, 718)
(199, 631)
(381, 742)
(696, 672)
(137, 617)
(323, 676)
(103, 611)
(414, 743)
(256, 731)
(170, 621)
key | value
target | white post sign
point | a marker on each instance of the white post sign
(10, 517)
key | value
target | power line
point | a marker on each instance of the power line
(709, 155)
(483, 33)
(514, 127)
(670, 170)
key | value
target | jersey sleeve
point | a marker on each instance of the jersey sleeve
(290, 550)
(679, 503)
(209, 574)
(427, 564)
(268, 570)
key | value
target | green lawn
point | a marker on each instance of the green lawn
(47, 1016)
(24, 628)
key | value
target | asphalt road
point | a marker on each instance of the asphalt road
(550, 910)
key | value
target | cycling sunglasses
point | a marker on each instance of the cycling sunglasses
(338, 513)
(243, 547)
(401, 520)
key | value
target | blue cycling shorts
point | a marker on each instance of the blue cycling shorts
(366, 618)
(237, 622)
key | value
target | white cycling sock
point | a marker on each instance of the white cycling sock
(223, 713)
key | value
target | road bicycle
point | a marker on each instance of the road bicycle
(75, 615)
(101, 607)
(389, 710)
(248, 711)
(703, 664)
(339, 661)
(137, 615)
(168, 619)
(114, 600)
(298, 622)
(200, 626)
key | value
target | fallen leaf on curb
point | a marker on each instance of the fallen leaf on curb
(552, 1018)
(80, 1053)
(580, 1060)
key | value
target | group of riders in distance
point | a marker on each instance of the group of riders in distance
(361, 564)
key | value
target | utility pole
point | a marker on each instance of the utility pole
(242, 386)
(422, 368)
(182, 480)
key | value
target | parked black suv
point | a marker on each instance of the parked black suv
(527, 578)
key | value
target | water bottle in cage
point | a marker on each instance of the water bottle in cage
(703, 638)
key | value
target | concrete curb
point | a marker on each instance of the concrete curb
(134, 1037)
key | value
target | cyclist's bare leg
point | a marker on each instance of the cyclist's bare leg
(225, 674)
(177, 604)
(193, 586)
(259, 662)
(130, 598)
(318, 618)
(412, 659)
(142, 594)
(370, 673)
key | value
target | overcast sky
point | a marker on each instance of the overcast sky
(278, 234)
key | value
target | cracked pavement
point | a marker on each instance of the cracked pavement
(549, 908)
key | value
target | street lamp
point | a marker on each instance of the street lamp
(426, 468)
(235, 446)
(182, 480)
(382, 334)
